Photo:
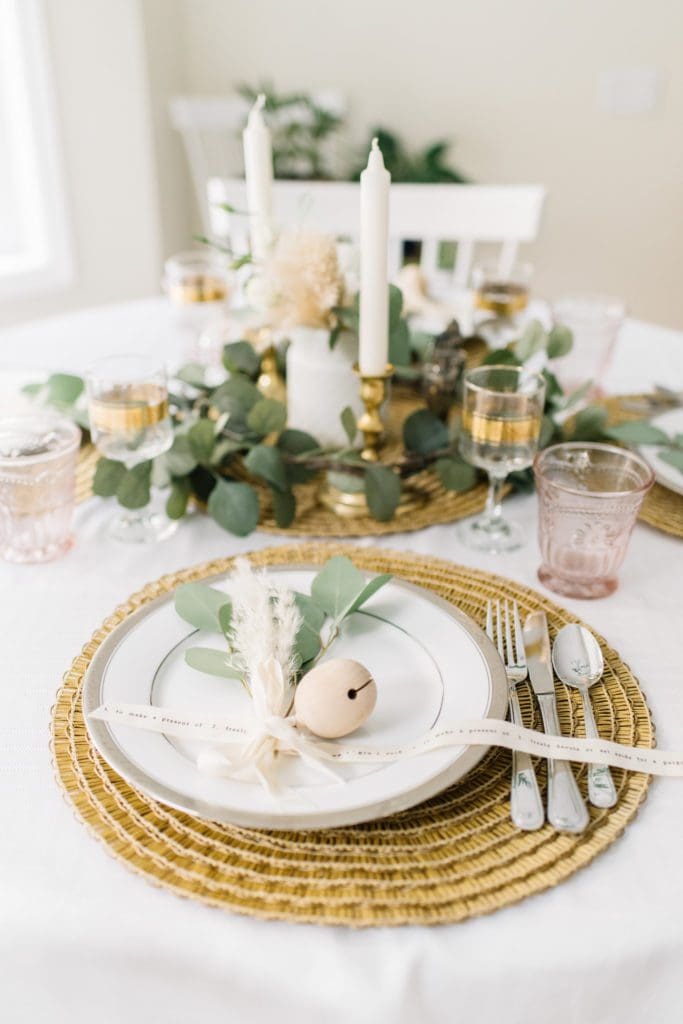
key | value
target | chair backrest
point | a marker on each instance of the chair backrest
(211, 127)
(502, 216)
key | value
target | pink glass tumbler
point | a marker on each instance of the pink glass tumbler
(589, 496)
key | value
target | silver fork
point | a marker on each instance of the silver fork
(526, 806)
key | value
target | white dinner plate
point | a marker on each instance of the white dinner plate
(432, 664)
(668, 476)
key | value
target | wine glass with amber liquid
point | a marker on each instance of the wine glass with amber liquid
(500, 298)
(501, 426)
(130, 424)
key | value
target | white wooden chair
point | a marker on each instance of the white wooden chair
(499, 217)
(210, 127)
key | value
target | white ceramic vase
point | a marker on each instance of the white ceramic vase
(321, 383)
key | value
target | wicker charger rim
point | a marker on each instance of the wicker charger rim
(451, 858)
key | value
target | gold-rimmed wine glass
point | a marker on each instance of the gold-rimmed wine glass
(501, 425)
(500, 297)
(130, 423)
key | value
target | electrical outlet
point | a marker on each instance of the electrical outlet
(629, 91)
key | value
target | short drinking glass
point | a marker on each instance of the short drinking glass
(130, 423)
(595, 321)
(37, 486)
(501, 424)
(589, 496)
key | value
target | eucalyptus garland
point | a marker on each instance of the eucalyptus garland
(230, 441)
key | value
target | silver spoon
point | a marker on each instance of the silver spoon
(577, 660)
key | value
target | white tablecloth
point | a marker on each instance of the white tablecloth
(83, 939)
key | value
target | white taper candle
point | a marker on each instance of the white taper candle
(258, 171)
(374, 286)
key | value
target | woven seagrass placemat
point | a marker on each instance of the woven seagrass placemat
(455, 856)
(662, 508)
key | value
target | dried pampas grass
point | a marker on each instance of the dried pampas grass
(304, 280)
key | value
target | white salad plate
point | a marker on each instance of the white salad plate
(665, 474)
(433, 666)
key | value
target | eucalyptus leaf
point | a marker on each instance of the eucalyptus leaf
(32, 389)
(522, 481)
(201, 438)
(176, 503)
(348, 421)
(223, 449)
(577, 396)
(560, 341)
(382, 492)
(421, 343)
(108, 476)
(200, 605)
(637, 432)
(298, 442)
(368, 590)
(225, 618)
(234, 506)
(267, 416)
(549, 431)
(180, 458)
(400, 352)
(212, 662)
(340, 588)
(532, 340)
(64, 388)
(554, 395)
(134, 489)
(308, 636)
(423, 432)
(241, 357)
(589, 424)
(395, 305)
(266, 462)
(500, 357)
(455, 475)
(337, 586)
(236, 396)
(335, 335)
(193, 374)
(674, 456)
(284, 507)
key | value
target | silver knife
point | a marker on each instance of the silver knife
(566, 807)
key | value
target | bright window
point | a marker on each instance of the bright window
(34, 244)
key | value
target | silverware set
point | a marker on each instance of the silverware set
(577, 661)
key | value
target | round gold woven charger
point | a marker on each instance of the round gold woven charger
(662, 508)
(455, 856)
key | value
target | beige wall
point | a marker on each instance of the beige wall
(514, 84)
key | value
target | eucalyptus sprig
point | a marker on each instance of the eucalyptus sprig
(337, 591)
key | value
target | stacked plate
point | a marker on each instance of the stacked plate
(431, 663)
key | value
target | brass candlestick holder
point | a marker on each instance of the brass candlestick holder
(344, 493)
(373, 392)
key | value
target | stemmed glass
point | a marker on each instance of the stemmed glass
(501, 295)
(501, 425)
(130, 423)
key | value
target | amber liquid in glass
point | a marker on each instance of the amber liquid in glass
(130, 422)
(502, 298)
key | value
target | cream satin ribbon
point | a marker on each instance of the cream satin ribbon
(274, 732)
